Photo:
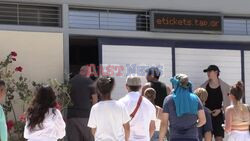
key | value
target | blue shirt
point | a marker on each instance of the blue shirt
(184, 126)
(208, 126)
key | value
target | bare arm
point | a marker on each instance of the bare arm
(208, 136)
(93, 131)
(248, 107)
(201, 118)
(228, 118)
(152, 128)
(94, 99)
(164, 126)
(126, 130)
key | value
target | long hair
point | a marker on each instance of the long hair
(44, 99)
(237, 90)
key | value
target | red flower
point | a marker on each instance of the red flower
(22, 118)
(10, 124)
(19, 69)
(13, 53)
(58, 106)
(14, 59)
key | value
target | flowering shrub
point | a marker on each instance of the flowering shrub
(19, 88)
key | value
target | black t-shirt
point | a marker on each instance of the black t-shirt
(215, 98)
(161, 92)
(81, 91)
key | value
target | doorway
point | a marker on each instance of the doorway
(82, 51)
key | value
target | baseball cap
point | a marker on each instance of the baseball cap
(154, 71)
(212, 68)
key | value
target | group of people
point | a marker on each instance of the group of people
(149, 112)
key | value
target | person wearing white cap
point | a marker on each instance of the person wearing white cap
(141, 110)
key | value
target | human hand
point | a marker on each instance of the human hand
(216, 112)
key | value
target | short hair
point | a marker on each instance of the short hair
(154, 71)
(147, 85)
(84, 68)
(183, 79)
(134, 88)
(2, 83)
(202, 94)
(150, 94)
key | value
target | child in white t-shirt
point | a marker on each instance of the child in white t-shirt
(109, 119)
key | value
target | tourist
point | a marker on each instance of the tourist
(183, 110)
(83, 97)
(3, 127)
(153, 75)
(217, 99)
(109, 119)
(237, 115)
(150, 94)
(141, 110)
(44, 122)
(206, 130)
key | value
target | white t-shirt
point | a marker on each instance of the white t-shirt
(108, 118)
(53, 128)
(139, 125)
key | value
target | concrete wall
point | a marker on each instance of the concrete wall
(40, 54)
(230, 7)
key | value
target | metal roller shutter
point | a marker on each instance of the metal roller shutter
(139, 55)
(193, 61)
(247, 76)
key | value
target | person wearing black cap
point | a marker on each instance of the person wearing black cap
(217, 99)
(153, 75)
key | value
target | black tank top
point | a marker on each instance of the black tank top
(161, 92)
(215, 98)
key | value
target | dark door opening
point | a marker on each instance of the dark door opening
(82, 51)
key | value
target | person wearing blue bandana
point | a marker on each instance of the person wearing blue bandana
(183, 111)
(185, 101)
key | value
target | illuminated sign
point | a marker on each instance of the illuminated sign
(185, 22)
